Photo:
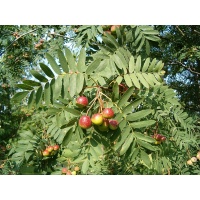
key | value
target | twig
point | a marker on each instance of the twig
(186, 67)
(180, 30)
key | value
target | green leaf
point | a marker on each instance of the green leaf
(119, 79)
(131, 106)
(135, 80)
(148, 79)
(57, 87)
(93, 66)
(115, 92)
(112, 40)
(71, 122)
(38, 95)
(150, 69)
(31, 99)
(102, 66)
(152, 38)
(53, 64)
(126, 144)
(38, 76)
(66, 85)
(70, 60)
(123, 135)
(141, 44)
(126, 96)
(85, 166)
(67, 137)
(25, 87)
(19, 96)
(73, 111)
(128, 80)
(146, 65)
(145, 158)
(31, 83)
(72, 84)
(138, 64)
(131, 64)
(142, 80)
(142, 124)
(151, 32)
(47, 94)
(63, 61)
(79, 82)
(46, 70)
(138, 115)
(81, 61)
(147, 45)
(143, 137)
(109, 43)
(146, 145)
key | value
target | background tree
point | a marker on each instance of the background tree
(179, 50)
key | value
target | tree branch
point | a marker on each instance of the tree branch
(186, 67)
(16, 40)
(180, 30)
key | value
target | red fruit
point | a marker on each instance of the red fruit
(64, 170)
(163, 138)
(113, 124)
(45, 153)
(113, 28)
(122, 87)
(82, 102)
(109, 32)
(97, 119)
(76, 168)
(68, 172)
(49, 149)
(104, 126)
(56, 147)
(108, 113)
(85, 122)
(158, 137)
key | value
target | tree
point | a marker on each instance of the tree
(179, 50)
(150, 132)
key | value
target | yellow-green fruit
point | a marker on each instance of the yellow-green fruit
(157, 142)
(193, 159)
(73, 173)
(198, 155)
(189, 162)
(97, 119)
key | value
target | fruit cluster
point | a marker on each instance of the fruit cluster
(194, 159)
(50, 150)
(39, 45)
(66, 171)
(159, 138)
(111, 29)
(102, 120)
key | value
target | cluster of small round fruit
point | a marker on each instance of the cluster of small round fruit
(39, 45)
(102, 120)
(159, 138)
(66, 171)
(50, 150)
(111, 29)
(194, 159)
